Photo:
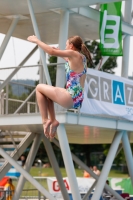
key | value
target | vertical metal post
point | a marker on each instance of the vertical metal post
(63, 36)
(28, 107)
(68, 162)
(28, 164)
(2, 102)
(126, 40)
(6, 99)
(107, 165)
(55, 166)
(39, 195)
(42, 78)
(128, 153)
(43, 56)
(8, 35)
(41, 74)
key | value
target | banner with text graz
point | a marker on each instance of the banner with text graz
(108, 95)
(110, 29)
(84, 184)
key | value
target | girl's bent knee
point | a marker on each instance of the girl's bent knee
(39, 87)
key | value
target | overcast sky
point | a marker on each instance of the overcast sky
(18, 49)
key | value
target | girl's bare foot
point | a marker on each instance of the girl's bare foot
(46, 127)
(53, 128)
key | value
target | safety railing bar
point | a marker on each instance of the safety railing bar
(21, 66)
(26, 66)
(21, 101)
(13, 82)
(20, 107)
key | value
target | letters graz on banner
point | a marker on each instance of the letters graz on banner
(108, 94)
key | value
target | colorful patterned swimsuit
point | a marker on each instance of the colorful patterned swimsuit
(73, 84)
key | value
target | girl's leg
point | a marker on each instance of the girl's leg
(54, 122)
(51, 94)
(43, 105)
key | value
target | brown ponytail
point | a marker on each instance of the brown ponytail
(80, 46)
(86, 52)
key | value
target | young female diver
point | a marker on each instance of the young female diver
(76, 55)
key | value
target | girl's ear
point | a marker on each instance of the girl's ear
(71, 46)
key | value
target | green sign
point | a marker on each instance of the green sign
(124, 184)
(110, 29)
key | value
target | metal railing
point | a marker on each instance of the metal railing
(27, 194)
(23, 101)
(19, 100)
(2, 193)
(33, 194)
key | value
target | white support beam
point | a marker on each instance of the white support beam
(63, 36)
(95, 15)
(42, 53)
(126, 41)
(8, 35)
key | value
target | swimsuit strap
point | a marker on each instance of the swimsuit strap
(85, 66)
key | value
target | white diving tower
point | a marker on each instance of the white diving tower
(53, 22)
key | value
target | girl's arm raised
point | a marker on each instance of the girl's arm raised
(66, 59)
(50, 50)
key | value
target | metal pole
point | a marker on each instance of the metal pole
(119, 150)
(8, 35)
(63, 36)
(68, 162)
(89, 192)
(6, 99)
(107, 165)
(128, 153)
(39, 195)
(28, 164)
(43, 56)
(26, 175)
(126, 41)
(86, 168)
(17, 68)
(2, 102)
(55, 166)
(41, 73)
